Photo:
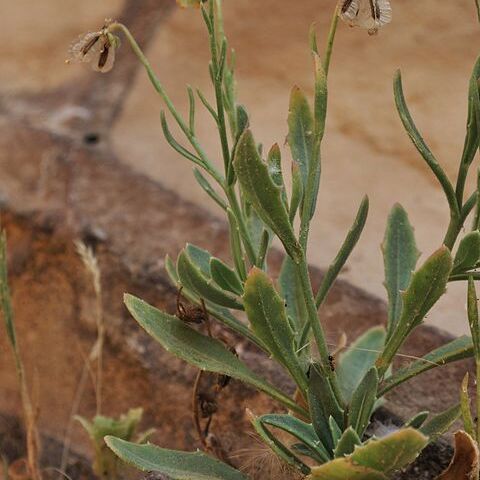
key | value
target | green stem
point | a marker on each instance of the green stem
(244, 234)
(320, 340)
(209, 167)
(330, 42)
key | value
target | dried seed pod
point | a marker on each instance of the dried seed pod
(368, 14)
(191, 313)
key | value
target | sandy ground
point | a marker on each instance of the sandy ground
(365, 149)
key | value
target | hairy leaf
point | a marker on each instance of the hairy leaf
(440, 423)
(193, 278)
(175, 464)
(199, 350)
(356, 361)
(300, 131)
(300, 430)
(376, 459)
(457, 349)
(347, 443)
(225, 277)
(400, 256)
(263, 193)
(267, 315)
(363, 401)
(468, 253)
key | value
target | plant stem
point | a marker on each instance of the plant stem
(207, 165)
(302, 269)
(330, 42)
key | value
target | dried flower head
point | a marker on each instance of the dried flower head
(368, 14)
(97, 48)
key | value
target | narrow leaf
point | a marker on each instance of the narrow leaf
(356, 361)
(400, 256)
(468, 253)
(472, 311)
(417, 420)
(363, 401)
(440, 423)
(297, 191)
(175, 464)
(420, 144)
(428, 284)
(225, 277)
(209, 190)
(274, 163)
(292, 293)
(263, 194)
(347, 247)
(347, 443)
(192, 278)
(199, 350)
(278, 447)
(323, 405)
(267, 315)
(300, 131)
(300, 430)
(457, 349)
(468, 423)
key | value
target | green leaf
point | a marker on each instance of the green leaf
(278, 447)
(193, 278)
(457, 349)
(347, 443)
(376, 459)
(225, 277)
(428, 284)
(363, 401)
(468, 253)
(274, 162)
(440, 423)
(319, 116)
(263, 194)
(468, 423)
(346, 249)
(417, 420)
(177, 465)
(356, 361)
(236, 245)
(267, 315)
(400, 256)
(198, 350)
(421, 146)
(209, 190)
(297, 191)
(200, 258)
(323, 405)
(300, 430)
(292, 292)
(300, 131)
(472, 311)
(335, 431)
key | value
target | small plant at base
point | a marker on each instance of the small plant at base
(328, 417)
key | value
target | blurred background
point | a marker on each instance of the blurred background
(365, 149)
